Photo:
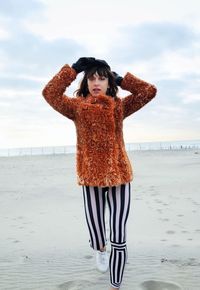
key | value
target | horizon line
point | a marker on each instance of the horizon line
(142, 142)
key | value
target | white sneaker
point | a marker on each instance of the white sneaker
(102, 261)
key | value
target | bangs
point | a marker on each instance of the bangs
(102, 71)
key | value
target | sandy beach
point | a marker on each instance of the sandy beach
(44, 238)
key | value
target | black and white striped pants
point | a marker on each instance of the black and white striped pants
(118, 198)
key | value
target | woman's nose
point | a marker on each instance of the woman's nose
(96, 82)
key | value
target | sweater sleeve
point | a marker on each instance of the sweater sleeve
(54, 92)
(141, 93)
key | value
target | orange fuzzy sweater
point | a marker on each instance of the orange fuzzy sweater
(101, 158)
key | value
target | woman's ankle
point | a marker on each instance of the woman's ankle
(103, 249)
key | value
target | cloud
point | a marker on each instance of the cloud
(22, 51)
(17, 83)
(18, 9)
(32, 54)
(190, 98)
(4, 34)
(29, 62)
(152, 39)
(178, 91)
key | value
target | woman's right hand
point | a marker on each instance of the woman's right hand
(83, 63)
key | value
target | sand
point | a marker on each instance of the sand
(44, 237)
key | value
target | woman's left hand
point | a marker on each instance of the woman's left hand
(118, 78)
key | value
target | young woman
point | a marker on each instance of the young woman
(103, 167)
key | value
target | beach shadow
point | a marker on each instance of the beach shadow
(159, 285)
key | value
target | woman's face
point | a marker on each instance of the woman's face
(97, 85)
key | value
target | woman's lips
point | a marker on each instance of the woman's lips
(96, 90)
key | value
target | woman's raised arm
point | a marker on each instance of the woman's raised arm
(141, 93)
(54, 92)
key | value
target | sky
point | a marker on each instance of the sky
(158, 41)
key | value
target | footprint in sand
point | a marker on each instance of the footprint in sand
(170, 232)
(154, 194)
(20, 217)
(158, 200)
(175, 245)
(159, 285)
(16, 241)
(88, 257)
(76, 285)
(184, 232)
(159, 210)
(165, 219)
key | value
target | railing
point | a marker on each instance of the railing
(55, 150)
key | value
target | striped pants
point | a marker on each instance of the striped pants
(118, 198)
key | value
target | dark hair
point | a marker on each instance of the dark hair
(102, 71)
